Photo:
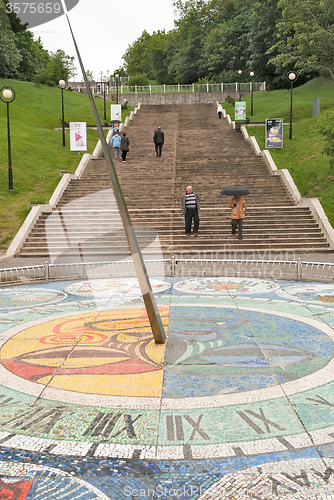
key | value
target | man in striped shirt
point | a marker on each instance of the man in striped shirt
(189, 204)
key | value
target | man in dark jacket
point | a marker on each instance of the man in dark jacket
(158, 139)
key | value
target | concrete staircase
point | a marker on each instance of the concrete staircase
(199, 150)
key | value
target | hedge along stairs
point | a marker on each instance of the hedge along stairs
(199, 150)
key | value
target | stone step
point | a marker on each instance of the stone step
(235, 245)
(108, 219)
(152, 189)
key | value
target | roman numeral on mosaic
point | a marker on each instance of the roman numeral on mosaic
(261, 417)
(175, 431)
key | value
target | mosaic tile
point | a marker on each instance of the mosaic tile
(239, 401)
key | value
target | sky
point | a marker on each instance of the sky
(104, 29)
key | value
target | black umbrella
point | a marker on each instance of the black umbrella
(234, 191)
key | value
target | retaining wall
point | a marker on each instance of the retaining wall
(179, 98)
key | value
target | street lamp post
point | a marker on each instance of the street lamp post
(239, 73)
(116, 78)
(62, 85)
(104, 101)
(251, 74)
(7, 95)
(291, 77)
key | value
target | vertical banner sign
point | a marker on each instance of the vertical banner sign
(78, 136)
(240, 111)
(116, 112)
(274, 133)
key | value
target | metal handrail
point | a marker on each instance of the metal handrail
(173, 267)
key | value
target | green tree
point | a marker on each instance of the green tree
(261, 36)
(305, 37)
(10, 56)
(159, 54)
(190, 33)
(33, 56)
(59, 66)
(135, 54)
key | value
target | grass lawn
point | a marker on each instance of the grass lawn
(38, 156)
(302, 155)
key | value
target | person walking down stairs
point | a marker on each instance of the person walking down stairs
(125, 145)
(189, 204)
(158, 139)
(238, 209)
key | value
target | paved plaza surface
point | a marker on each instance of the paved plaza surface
(238, 404)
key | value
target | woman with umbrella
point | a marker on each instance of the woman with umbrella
(237, 206)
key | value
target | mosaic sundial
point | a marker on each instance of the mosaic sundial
(244, 373)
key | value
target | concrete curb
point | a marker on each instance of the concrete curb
(82, 165)
(25, 229)
(58, 193)
(269, 161)
(255, 146)
(289, 184)
(244, 132)
(97, 151)
(320, 216)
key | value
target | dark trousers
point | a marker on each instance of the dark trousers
(191, 213)
(220, 115)
(234, 223)
(124, 151)
(158, 148)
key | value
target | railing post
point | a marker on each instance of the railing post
(236, 86)
(164, 88)
(47, 271)
(150, 87)
(222, 87)
(172, 266)
(193, 85)
(178, 87)
(207, 87)
(299, 269)
(135, 89)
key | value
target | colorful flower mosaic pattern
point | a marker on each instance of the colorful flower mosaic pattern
(29, 297)
(315, 293)
(90, 354)
(225, 286)
(114, 288)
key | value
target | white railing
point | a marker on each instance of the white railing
(169, 89)
(174, 267)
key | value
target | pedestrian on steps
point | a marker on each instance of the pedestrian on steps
(238, 209)
(189, 205)
(219, 111)
(116, 145)
(158, 139)
(125, 145)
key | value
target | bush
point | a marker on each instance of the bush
(326, 128)
(230, 100)
(140, 79)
